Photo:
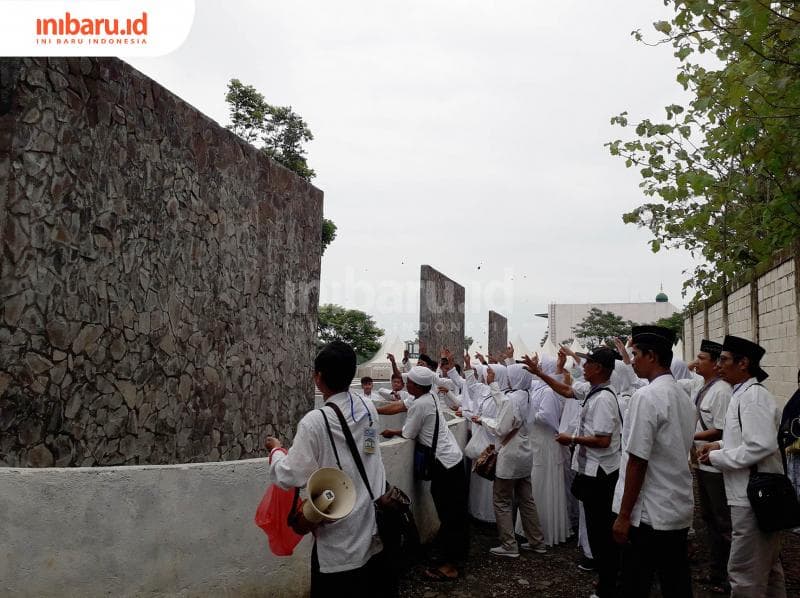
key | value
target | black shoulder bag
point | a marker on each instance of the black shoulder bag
(771, 496)
(396, 526)
(425, 456)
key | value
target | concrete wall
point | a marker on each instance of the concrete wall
(764, 310)
(158, 276)
(441, 314)
(169, 530)
(498, 333)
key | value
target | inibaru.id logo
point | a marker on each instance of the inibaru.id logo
(73, 30)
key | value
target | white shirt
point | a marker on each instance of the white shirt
(515, 459)
(712, 410)
(350, 542)
(420, 425)
(754, 441)
(387, 394)
(600, 416)
(659, 428)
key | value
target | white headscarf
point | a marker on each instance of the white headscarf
(540, 390)
(500, 376)
(679, 369)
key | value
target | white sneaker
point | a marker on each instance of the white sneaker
(503, 551)
(538, 549)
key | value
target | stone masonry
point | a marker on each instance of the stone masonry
(441, 314)
(159, 277)
(498, 333)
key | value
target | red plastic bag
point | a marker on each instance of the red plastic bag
(272, 517)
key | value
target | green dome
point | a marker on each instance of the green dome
(662, 297)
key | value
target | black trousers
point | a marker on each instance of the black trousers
(449, 492)
(599, 521)
(375, 578)
(653, 552)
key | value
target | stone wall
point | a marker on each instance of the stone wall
(158, 275)
(764, 309)
(498, 333)
(441, 314)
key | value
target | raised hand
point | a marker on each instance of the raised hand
(561, 361)
(390, 357)
(480, 358)
(532, 364)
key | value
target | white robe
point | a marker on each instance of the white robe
(547, 474)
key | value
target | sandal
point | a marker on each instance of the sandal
(438, 575)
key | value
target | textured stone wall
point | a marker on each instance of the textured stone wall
(768, 315)
(158, 276)
(441, 313)
(498, 333)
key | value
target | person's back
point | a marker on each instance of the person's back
(347, 553)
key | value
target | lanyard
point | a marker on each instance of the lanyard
(353, 412)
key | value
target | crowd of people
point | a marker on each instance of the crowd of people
(601, 444)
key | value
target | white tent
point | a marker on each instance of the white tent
(379, 367)
(678, 351)
(520, 347)
(549, 348)
(577, 347)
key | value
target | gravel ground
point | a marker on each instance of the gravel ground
(555, 575)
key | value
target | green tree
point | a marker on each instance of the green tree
(352, 326)
(598, 325)
(722, 171)
(673, 322)
(278, 131)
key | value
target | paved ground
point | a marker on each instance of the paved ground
(555, 575)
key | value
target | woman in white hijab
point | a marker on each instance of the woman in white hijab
(549, 457)
(481, 408)
(513, 474)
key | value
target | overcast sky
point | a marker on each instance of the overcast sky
(462, 134)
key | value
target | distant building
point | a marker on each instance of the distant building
(563, 317)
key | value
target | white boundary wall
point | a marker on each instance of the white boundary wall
(765, 310)
(161, 530)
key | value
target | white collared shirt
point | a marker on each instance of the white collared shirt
(713, 408)
(753, 441)
(420, 424)
(659, 428)
(350, 542)
(600, 416)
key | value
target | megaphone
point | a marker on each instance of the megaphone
(331, 495)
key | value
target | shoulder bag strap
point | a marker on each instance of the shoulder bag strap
(351, 444)
(330, 436)
(435, 427)
(509, 436)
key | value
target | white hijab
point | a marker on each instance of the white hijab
(500, 376)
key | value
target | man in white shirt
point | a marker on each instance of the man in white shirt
(366, 388)
(749, 440)
(448, 481)
(596, 457)
(396, 393)
(347, 557)
(653, 497)
(711, 401)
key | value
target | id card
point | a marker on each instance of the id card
(370, 440)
